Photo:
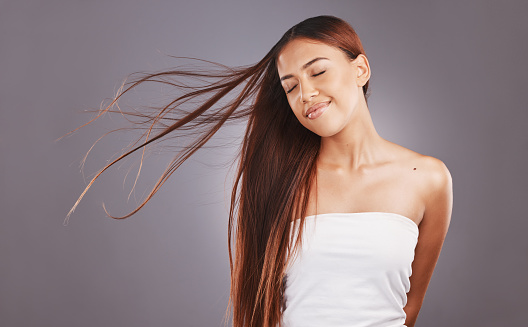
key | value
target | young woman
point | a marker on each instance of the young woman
(332, 224)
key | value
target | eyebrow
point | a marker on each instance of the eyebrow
(306, 65)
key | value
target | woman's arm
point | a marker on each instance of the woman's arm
(433, 229)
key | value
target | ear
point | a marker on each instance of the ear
(363, 69)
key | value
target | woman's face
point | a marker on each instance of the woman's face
(322, 84)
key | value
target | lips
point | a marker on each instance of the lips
(316, 110)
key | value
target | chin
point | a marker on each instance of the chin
(327, 129)
(325, 132)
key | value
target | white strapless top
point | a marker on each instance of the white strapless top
(352, 270)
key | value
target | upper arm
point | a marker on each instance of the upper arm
(438, 199)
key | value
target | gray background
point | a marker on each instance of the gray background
(449, 80)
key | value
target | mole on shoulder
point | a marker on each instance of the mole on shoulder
(414, 168)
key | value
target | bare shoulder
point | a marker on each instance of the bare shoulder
(438, 181)
(437, 190)
(439, 175)
(433, 168)
(432, 171)
(431, 181)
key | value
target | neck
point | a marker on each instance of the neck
(357, 145)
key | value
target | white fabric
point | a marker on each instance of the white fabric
(353, 270)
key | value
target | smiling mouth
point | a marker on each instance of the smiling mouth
(317, 109)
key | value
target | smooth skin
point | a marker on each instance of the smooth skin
(357, 170)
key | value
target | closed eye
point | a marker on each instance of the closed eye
(314, 75)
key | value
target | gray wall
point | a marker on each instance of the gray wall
(449, 80)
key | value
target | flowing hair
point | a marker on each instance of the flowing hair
(276, 168)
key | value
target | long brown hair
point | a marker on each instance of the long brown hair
(277, 161)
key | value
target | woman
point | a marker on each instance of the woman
(327, 217)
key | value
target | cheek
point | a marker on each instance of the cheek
(344, 85)
(345, 91)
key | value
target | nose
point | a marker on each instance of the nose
(307, 92)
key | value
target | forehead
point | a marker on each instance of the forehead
(300, 51)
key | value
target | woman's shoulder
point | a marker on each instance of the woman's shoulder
(431, 172)
(432, 181)
(429, 165)
(437, 173)
(439, 183)
(436, 168)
